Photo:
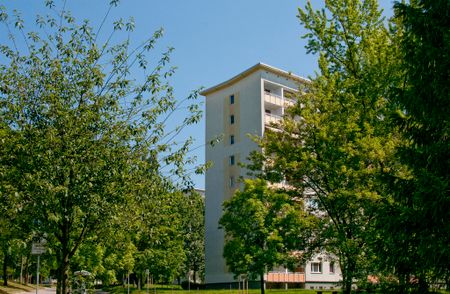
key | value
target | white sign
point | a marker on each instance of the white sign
(38, 248)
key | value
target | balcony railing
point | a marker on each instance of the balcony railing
(271, 118)
(289, 102)
(277, 100)
(281, 277)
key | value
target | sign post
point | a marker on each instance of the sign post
(38, 249)
(37, 274)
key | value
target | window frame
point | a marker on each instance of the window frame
(313, 270)
(232, 182)
(332, 267)
(232, 160)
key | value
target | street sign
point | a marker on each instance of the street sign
(38, 248)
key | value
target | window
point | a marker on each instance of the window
(232, 119)
(316, 267)
(232, 181)
(268, 111)
(332, 267)
(231, 99)
(232, 160)
(231, 139)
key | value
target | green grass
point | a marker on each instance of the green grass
(16, 288)
(177, 290)
(252, 291)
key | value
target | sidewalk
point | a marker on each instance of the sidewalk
(40, 291)
(15, 288)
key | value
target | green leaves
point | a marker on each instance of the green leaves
(262, 228)
(85, 141)
(342, 146)
(338, 30)
(420, 191)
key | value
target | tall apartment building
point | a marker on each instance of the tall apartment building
(241, 106)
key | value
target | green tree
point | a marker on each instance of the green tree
(333, 146)
(89, 138)
(12, 229)
(416, 220)
(194, 234)
(151, 239)
(262, 228)
(159, 238)
(5, 204)
(7, 234)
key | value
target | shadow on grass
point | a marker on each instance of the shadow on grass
(14, 288)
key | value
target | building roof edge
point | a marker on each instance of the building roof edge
(248, 72)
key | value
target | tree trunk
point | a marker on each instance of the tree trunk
(262, 283)
(423, 285)
(21, 270)
(62, 273)
(347, 277)
(347, 286)
(26, 270)
(403, 282)
(5, 268)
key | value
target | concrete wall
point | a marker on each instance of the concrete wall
(249, 112)
(325, 277)
(247, 93)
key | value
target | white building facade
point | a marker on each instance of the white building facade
(235, 110)
(322, 272)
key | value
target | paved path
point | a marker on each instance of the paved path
(40, 291)
(53, 291)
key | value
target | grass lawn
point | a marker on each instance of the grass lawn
(252, 291)
(16, 288)
(177, 290)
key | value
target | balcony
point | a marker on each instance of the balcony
(270, 118)
(277, 100)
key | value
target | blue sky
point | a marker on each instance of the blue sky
(213, 39)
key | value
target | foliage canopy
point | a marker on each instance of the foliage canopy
(263, 228)
(85, 128)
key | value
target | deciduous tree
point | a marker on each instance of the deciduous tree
(333, 146)
(89, 120)
(193, 213)
(263, 227)
(159, 236)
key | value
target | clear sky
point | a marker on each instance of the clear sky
(213, 39)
